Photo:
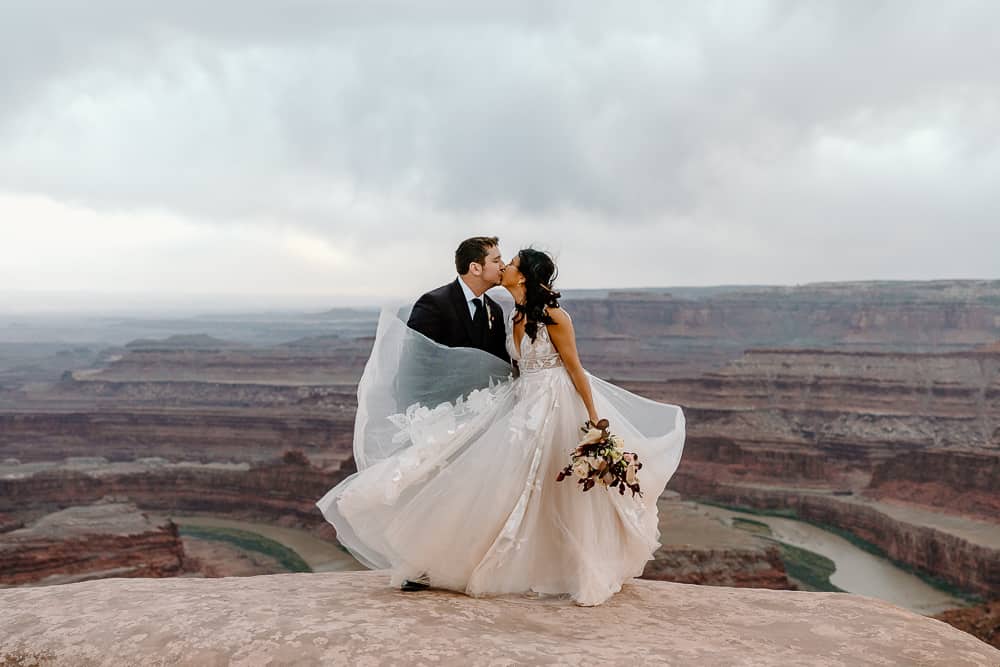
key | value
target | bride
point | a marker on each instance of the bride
(458, 461)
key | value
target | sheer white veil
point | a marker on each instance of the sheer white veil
(408, 372)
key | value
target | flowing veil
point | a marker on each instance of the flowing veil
(405, 370)
(419, 402)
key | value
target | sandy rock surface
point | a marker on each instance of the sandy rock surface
(356, 619)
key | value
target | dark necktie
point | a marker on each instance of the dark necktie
(479, 320)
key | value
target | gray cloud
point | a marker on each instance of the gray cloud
(773, 135)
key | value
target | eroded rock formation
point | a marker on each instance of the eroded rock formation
(698, 549)
(806, 415)
(880, 412)
(8, 523)
(656, 335)
(208, 434)
(279, 490)
(826, 433)
(108, 539)
(961, 551)
(982, 621)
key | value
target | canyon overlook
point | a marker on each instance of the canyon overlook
(355, 618)
(870, 408)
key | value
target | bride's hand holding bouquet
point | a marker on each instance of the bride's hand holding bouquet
(600, 458)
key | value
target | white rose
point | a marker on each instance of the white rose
(581, 469)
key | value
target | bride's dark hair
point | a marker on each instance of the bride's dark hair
(539, 273)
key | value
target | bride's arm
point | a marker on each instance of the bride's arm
(564, 339)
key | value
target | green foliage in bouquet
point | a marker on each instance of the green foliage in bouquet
(600, 458)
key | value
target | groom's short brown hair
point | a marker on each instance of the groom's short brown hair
(473, 250)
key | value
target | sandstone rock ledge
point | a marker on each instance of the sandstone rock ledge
(356, 619)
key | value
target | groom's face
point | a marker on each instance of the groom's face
(492, 269)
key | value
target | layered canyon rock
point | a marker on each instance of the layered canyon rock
(356, 618)
(900, 449)
(198, 403)
(8, 523)
(699, 549)
(837, 412)
(212, 558)
(203, 434)
(919, 427)
(108, 539)
(879, 412)
(658, 334)
(961, 551)
(282, 490)
(965, 482)
(982, 621)
(327, 360)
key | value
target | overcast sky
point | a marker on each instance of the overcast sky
(339, 151)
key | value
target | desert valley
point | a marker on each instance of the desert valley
(841, 436)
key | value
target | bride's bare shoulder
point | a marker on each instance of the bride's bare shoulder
(559, 315)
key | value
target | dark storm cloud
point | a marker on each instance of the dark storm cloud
(763, 130)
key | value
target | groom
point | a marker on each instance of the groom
(460, 314)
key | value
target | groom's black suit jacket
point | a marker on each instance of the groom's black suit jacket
(443, 316)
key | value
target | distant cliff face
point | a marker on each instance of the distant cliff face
(845, 419)
(699, 549)
(333, 361)
(355, 618)
(205, 434)
(772, 427)
(761, 567)
(97, 541)
(968, 483)
(962, 552)
(652, 335)
(900, 314)
(267, 491)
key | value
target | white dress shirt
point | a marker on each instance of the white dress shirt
(469, 296)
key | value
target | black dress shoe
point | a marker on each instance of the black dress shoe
(413, 586)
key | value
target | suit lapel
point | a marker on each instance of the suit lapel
(462, 308)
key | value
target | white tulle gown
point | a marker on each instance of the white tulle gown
(468, 499)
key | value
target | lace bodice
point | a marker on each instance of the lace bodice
(533, 355)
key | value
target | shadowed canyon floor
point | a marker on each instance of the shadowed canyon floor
(355, 618)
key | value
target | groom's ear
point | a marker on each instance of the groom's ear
(476, 269)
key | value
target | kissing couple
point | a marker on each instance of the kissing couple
(466, 416)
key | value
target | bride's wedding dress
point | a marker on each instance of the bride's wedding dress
(463, 494)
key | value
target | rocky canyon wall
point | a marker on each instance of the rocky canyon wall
(911, 538)
(93, 542)
(271, 491)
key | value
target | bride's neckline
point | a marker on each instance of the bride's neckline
(513, 333)
(524, 333)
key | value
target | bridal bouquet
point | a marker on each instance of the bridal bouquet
(600, 459)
